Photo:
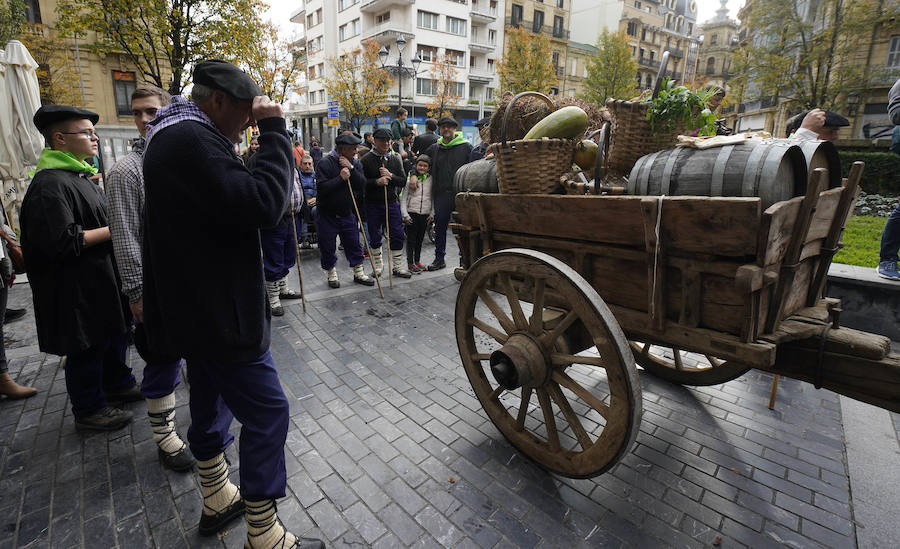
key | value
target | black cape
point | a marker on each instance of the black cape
(77, 303)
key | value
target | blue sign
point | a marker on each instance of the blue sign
(332, 113)
(415, 120)
(384, 119)
(334, 104)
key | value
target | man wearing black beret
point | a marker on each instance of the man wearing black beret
(78, 309)
(816, 124)
(336, 174)
(447, 155)
(383, 170)
(204, 297)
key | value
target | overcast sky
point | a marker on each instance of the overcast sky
(281, 10)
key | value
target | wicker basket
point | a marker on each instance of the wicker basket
(632, 136)
(530, 166)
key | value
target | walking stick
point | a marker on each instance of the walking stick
(297, 250)
(365, 238)
(387, 237)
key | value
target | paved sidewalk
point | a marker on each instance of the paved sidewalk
(388, 447)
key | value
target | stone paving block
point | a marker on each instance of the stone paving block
(400, 524)
(133, 533)
(810, 513)
(782, 486)
(733, 511)
(65, 532)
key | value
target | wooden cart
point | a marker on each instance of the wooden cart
(561, 295)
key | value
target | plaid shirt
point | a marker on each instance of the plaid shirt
(125, 189)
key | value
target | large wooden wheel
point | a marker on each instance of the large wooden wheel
(679, 366)
(574, 412)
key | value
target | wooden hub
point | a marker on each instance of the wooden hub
(519, 363)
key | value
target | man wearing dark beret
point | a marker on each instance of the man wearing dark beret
(336, 175)
(385, 178)
(484, 129)
(204, 296)
(447, 155)
(69, 259)
(816, 124)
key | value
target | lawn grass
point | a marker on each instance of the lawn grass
(862, 241)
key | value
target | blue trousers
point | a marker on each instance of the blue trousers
(329, 228)
(443, 207)
(890, 238)
(92, 372)
(162, 373)
(278, 251)
(375, 217)
(250, 392)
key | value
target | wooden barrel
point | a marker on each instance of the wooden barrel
(772, 169)
(822, 154)
(479, 176)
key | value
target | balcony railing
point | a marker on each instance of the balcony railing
(561, 34)
(482, 43)
(483, 13)
(647, 62)
(675, 52)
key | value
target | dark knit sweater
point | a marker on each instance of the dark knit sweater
(334, 196)
(204, 293)
(444, 163)
(371, 163)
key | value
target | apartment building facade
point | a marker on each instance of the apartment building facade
(719, 37)
(469, 32)
(550, 18)
(650, 26)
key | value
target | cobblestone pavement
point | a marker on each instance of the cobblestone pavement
(388, 447)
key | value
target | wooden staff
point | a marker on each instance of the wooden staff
(297, 250)
(387, 231)
(365, 238)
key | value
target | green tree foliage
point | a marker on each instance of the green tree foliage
(359, 84)
(163, 39)
(57, 70)
(611, 70)
(526, 65)
(443, 73)
(12, 16)
(276, 64)
(816, 58)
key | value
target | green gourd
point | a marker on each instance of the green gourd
(565, 123)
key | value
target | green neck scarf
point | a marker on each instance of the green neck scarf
(61, 160)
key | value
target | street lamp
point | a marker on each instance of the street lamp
(400, 68)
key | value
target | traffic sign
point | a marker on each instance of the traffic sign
(333, 122)
(334, 104)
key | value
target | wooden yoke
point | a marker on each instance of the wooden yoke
(791, 260)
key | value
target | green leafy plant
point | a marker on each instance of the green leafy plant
(679, 105)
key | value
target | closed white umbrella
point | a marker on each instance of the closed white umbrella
(20, 142)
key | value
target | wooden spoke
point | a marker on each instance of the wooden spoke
(713, 361)
(513, 298)
(560, 399)
(537, 313)
(498, 336)
(581, 392)
(505, 322)
(495, 394)
(523, 408)
(478, 357)
(549, 419)
(564, 324)
(646, 349)
(676, 354)
(563, 359)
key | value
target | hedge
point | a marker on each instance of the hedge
(882, 173)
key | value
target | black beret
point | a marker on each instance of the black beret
(382, 133)
(51, 114)
(448, 120)
(484, 121)
(424, 158)
(222, 75)
(347, 139)
(832, 119)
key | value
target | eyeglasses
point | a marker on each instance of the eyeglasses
(90, 134)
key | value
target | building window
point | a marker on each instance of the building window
(344, 4)
(427, 20)
(456, 26)
(555, 59)
(561, 4)
(382, 18)
(33, 15)
(124, 84)
(574, 67)
(893, 58)
(711, 65)
(652, 55)
(649, 81)
(427, 53)
(713, 40)
(315, 44)
(558, 24)
(458, 89)
(516, 17)
(489, 93)
(690, 30)
(637, 4)
(309, 21)
(538, 21)
(492, 36)
(425, 86)
(490, 66)
(554, 91)
(456, 57)
(644, 34)
(631, 30)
